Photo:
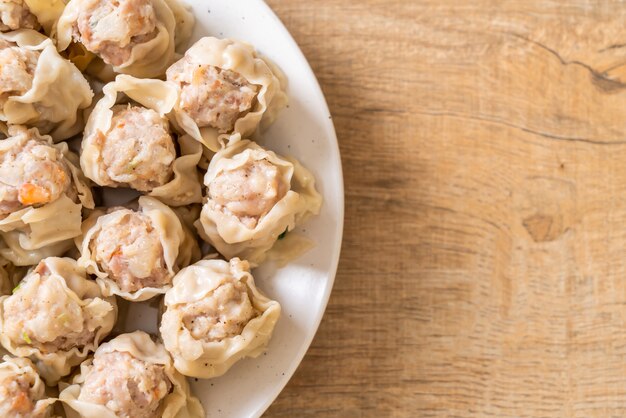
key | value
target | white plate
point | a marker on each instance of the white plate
(303, 130)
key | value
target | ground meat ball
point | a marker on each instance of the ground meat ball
(130, 252)
(17, 399)
(111, 28)
(212, 96)
(15, 14)
(248, 192)
(17, 70)
(130, 387)
(45, 317)
(138, 150)
(32, 173)
(222, 314)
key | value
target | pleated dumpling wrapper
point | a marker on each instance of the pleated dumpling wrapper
(56, 316)
(214, 316)
(38, 87)
(135, 37)
(42, 195)
(22, 392)
(226, 90)
(136, 253)
(128, 142)
(131, 376)
(253, 197)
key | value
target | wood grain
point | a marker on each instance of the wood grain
(483, 271)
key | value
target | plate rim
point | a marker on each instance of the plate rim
(334, 262)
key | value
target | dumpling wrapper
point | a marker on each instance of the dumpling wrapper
(47, 13)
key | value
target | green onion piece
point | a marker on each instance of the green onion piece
(281, 236)
(26, 338)
(16, 288)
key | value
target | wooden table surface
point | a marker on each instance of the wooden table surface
(483, 270)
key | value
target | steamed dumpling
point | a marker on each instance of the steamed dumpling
(15, 14)
(212, 96)
(215, 316)
(136, 37)
(254, 196)
(128, 142)
(30, 14)
(22, 392)
(111, 29)
(138, 150)
(34, 172)
(135, 254)
(225, 91)
(128, 248)
(55, 317)
(38, 87)
(131, 376)
(41, 196)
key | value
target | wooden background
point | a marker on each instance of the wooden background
(483, 270)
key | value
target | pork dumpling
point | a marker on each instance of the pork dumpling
(214, 316)
(135, 253)
(128, 142)
(138, 150)
(131, 376)
(30, 14)
(136, 37)
(55, 317)
(22, 392)
(225, 91)
(42, 194)
(38, 87)
(254, 196)
(15, 14)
